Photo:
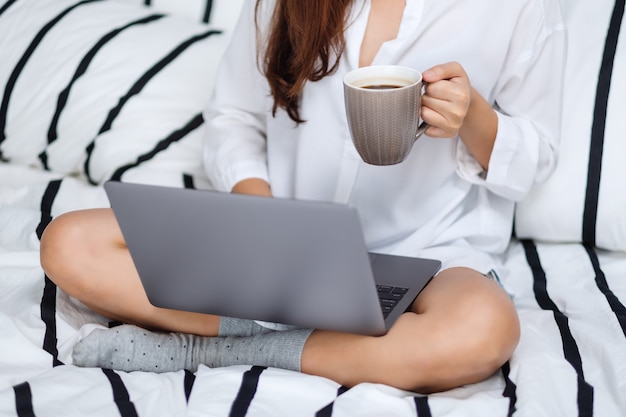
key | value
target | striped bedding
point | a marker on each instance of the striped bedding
(113, 89)
(571, 360)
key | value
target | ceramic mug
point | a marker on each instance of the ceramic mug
(383, 105)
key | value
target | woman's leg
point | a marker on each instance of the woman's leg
(84, 253)
(465, 328)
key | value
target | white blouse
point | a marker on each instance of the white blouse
(438, 203)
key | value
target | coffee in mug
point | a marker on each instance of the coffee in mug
(381, 86)
(383, 105)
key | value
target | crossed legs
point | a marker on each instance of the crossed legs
(463, 326)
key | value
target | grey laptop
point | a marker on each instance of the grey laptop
(296, 262)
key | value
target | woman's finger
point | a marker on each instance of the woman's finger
(445, 71)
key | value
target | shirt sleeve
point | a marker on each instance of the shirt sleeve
(234, 145)
(528, 103)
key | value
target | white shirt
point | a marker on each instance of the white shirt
(437, 203)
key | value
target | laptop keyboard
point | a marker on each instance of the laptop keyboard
(389, 297)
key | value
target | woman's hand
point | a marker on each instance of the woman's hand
(446, 99)
(452, 107)
(253, 186)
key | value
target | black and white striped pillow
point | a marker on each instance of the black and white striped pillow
(103, 88)
(585, 199)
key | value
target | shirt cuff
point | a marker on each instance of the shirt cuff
(499, 178)
(505, 147)
(468, 167)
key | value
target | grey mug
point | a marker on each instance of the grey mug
(383, 105)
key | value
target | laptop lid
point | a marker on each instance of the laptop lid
(288, 261)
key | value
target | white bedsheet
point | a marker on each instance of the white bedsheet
(571, 360)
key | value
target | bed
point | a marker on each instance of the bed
(113, 89)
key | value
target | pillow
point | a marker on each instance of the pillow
(104, 89)
(222, 13)
(585, 199)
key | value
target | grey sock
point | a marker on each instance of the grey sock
(130, 348)
(230, 326)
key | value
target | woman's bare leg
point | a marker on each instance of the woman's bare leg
(84, 253)
(463, 328)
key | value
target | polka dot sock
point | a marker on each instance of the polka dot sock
(131, 348)
(230, 326)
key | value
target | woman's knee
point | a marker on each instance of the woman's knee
(60, 246)
(489, 323)
(493, 332)
(471, 333)
(65, 246)
(58, 241)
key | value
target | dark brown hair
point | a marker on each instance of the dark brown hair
(304, 43)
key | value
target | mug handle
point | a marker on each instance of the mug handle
(421, 129)
(423, 126)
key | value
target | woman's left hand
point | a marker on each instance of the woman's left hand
(446, 99)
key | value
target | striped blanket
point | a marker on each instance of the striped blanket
(571, 360)
(113, 89)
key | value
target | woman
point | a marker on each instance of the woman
(276, 127)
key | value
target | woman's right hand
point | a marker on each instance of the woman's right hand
(253, 186)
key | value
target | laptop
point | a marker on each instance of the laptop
(301, 263)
